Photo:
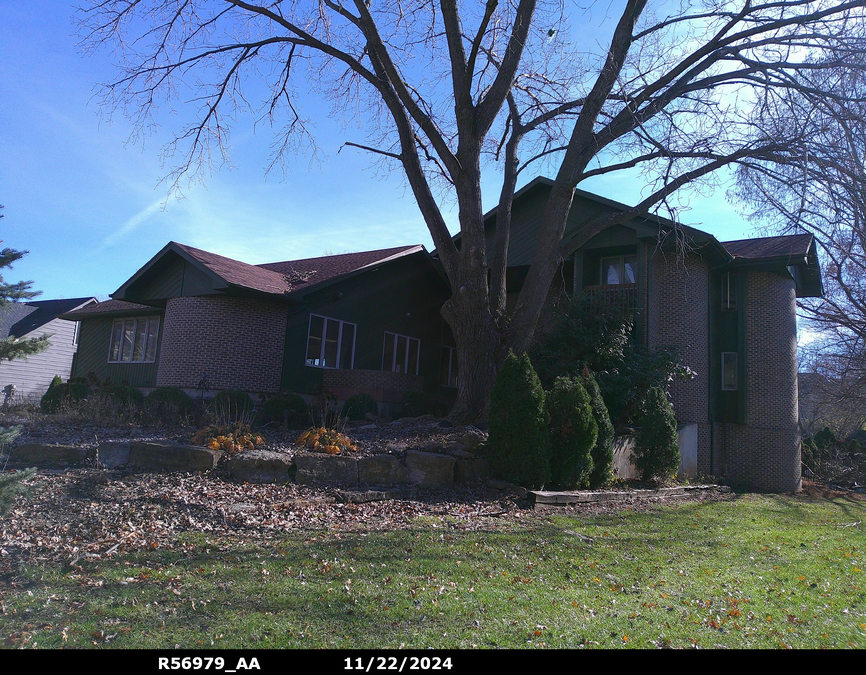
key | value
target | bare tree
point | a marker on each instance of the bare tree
(443, 87)
(819, 187)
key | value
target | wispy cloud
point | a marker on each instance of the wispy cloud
(131, 224)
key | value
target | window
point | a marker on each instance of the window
(330, 343)
(401, 354)
(134, 340)
(729, 371)
(618, 270)
(75, 331)
(729, 291)
(448, 367)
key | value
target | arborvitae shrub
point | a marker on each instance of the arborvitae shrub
(356, 407)
(657, 453)
(232, 405)
(825, 438)
(61, 394)
(517, 438)
(573, 433)
(276, 407)
(602, 451)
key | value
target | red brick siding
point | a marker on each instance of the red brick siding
(237, 342)
(678, 315)
(372, 379)
(765, 452)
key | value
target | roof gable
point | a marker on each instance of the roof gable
(169, 273)
(18, 319)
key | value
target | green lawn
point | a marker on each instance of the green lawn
(756, 571)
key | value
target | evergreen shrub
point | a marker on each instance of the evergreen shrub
(657, 453)
(62, 394)
(356, 407)
(518, 437)
(275, 409)
(602, 451)
(573, 433)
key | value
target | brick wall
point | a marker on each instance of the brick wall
(678, 315)
(237, 342)
(372, 379)
(765, 452)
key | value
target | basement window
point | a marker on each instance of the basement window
(134, 340)
(729, 371)
(401, 353)
(330, 343)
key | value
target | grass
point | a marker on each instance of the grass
(753, 572)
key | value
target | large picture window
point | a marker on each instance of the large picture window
(330, 343)
(401, 354)
(134, 340)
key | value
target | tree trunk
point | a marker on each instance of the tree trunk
(478, 345)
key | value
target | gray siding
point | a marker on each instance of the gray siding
(32, 375)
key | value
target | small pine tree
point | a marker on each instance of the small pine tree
(573, 433)
(602, 451)
(657, 452)
(517, 439)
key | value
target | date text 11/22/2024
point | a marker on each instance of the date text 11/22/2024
(394, 663)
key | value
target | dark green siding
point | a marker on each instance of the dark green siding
(402, 297)
(727, 334)
(94, 341)
(171, 277)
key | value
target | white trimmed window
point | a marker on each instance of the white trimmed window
(448, 367)
(729, 371)
(330, 343)
(134, 340)
(618, 270)
(401, 353)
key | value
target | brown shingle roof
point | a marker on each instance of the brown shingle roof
(312, 271)
(239, 273)
(291, 275)
(107, 307)
(769, 247)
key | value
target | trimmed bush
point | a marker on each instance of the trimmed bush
(517, 440)
(276, 407)
(63, 394)
(123, 394)
(232, 405)
(573, 433)
(170, 398)
(657, 453)
(602, 451)
(356, 407)
(169, 405)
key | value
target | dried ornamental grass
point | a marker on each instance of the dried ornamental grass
(325, 440)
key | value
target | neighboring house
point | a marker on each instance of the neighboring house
(370, 322)
(358, 322)
(30, 376)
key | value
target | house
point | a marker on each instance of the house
(30, 377)
(369, 322)
(357, 322)
(728, 307)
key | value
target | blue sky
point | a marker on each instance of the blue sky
(91, 209)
